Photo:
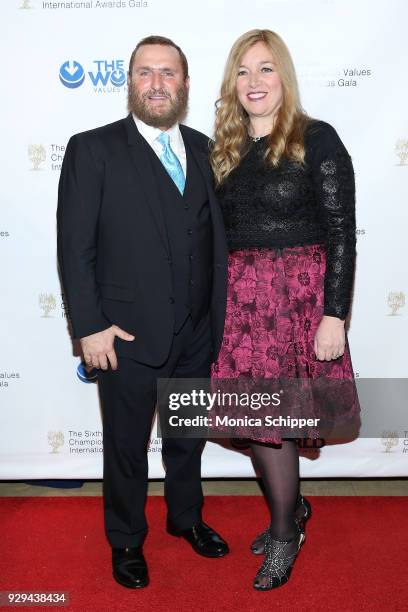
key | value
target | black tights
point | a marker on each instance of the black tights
(278, 466)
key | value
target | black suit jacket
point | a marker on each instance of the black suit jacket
(113, 250)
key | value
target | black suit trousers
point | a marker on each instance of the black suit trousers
(128, 397)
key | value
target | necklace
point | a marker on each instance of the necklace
(257, 138)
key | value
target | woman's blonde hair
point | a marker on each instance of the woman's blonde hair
(231, 124)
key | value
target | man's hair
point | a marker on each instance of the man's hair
(160, 40)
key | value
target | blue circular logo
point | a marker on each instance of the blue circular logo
(84, 375)
(118, 78)
(72, 74)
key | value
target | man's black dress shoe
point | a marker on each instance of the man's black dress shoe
(130, 567)
(204, 540)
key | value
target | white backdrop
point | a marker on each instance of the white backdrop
(63, 74)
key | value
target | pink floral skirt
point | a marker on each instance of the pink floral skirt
(275, 301)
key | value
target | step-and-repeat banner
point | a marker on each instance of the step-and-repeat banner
(64, 71)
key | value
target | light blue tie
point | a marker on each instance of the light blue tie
(171, 162)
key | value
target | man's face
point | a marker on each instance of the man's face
(157, 89)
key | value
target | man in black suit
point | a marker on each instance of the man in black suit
(143, 260)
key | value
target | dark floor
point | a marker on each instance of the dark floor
(250, 486)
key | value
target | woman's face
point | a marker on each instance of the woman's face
(258, 84)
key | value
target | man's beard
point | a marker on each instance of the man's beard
(166, 118)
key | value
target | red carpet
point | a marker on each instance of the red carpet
(355, 557)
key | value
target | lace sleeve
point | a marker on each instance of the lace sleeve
(333, 178)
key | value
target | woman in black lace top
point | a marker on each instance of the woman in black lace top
(286, 189)
(295, 205)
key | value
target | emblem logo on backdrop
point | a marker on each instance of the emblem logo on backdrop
(47, 304)
(55, 440)
(401, 151)
(106, 76)
(72, 74)
(79, 442)
(389, 440)
(25, 4)
(37, 155)
(395, 301)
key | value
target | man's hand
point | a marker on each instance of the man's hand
(98, 348)
(330, 339)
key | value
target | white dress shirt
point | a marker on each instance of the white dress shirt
(150, 134)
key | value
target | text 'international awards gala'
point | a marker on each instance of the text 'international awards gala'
(203, 233)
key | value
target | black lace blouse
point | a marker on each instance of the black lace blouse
(294, 205)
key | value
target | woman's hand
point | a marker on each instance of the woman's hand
(330, 339)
